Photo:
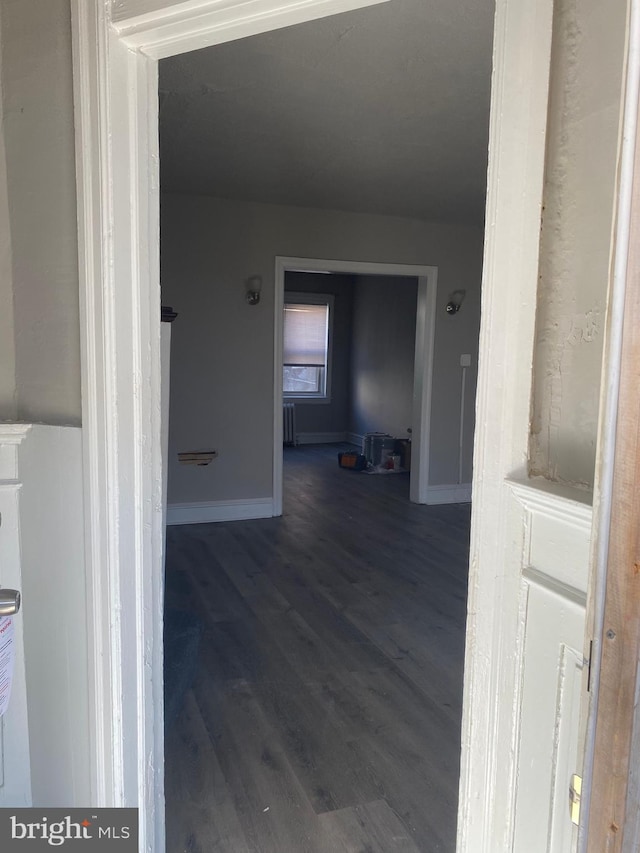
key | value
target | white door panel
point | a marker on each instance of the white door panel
(15, 772)
(554, 572)
(552, 679)
(44, 746)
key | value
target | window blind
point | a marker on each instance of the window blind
(305, 335)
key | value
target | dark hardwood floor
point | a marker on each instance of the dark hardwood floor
(325, 715)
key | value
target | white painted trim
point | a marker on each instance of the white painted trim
(457, 493)
(422, 385)
(564, 590)
(517, 139)
(193, 24)
(11, 437)
(278, 399)
(355, 438)
(204, 512)
(321, 437)
(90, 40)
(423, 364)
(117, 178)
(14, 433)
(565, 503)
(118, 228)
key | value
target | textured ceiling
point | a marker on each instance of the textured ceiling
(383, 110)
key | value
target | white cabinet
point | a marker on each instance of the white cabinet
(45, 757)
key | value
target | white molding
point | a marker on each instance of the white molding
(90, 40)
(422, 386)
(11, 437)
(118, 228)
(564, 590)
(517, 139)
(355, 438)
(14, 433)
(458, 493)
(278, 398)
(204, 512)
(423, 363)
(160, 29)
(567, 504)
(321, 437)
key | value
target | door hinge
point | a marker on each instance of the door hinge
(575, 795)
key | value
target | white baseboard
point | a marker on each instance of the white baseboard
(459, 493)
(208, 511)
(321, 437)
(354, 438)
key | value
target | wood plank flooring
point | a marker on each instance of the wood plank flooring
(325, 716)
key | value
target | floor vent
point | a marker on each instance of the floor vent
(289, 424)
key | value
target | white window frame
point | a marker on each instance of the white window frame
(327, 299)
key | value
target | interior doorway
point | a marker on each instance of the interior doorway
(427, 278)
(138, 41)
(299, 609)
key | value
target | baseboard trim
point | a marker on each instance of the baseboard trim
(204, 512)
(354, 438)
(459, 493)
(321, 437)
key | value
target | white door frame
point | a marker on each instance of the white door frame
(116, 48)
(423, 362)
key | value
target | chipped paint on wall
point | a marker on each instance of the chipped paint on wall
(575, 242)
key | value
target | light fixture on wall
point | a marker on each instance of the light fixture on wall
(253, 286)
(455, 301)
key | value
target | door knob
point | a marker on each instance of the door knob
(9, 602)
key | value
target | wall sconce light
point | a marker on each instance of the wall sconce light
(455, 301)
(253, 288)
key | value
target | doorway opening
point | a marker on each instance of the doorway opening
(328, 636)
(349, 421)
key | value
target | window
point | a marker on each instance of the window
(306, 356)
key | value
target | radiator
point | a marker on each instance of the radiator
(289, 424)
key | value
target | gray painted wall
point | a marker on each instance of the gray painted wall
(39, 246)
(222, 356)
(582, 148)
(8, 401)
(332, 416)
(39, 350)
(382, 355)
